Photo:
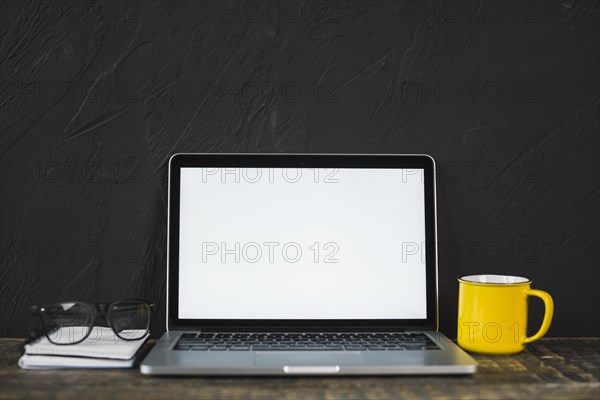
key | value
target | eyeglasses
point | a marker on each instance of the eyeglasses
(71, 322)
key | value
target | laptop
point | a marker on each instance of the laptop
(302, 264)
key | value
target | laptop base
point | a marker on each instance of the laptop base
(449, 359)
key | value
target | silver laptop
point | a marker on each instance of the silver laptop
(302, 264)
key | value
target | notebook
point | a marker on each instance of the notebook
(102, 349)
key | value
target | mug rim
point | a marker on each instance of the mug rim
(494, 279)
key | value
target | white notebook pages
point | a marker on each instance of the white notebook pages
(64, 362)
(102, 349)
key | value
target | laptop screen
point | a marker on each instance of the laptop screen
(302, 244)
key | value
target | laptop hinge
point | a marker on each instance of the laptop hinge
(275, 328)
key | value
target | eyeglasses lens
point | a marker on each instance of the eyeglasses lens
(130, 320)
(67, 322)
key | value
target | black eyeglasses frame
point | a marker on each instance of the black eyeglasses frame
(96, 310)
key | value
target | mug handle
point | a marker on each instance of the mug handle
(549, 312)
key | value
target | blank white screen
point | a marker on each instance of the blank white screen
(302, 244)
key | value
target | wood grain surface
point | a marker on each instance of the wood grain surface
(566, 368)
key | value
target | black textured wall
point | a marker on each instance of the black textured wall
(96, 96)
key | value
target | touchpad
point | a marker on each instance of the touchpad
(308, 358)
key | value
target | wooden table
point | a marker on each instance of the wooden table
(551, 368)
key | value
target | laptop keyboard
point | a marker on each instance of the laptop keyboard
(304, 342)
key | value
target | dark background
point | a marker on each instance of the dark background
(97, 95)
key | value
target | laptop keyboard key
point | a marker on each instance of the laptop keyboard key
(340, 348)
(258, 347)
(355, 348)
(239, 348)
(269, 348)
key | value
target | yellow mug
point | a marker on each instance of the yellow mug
(492, 313)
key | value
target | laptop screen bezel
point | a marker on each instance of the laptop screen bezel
(179, 161)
